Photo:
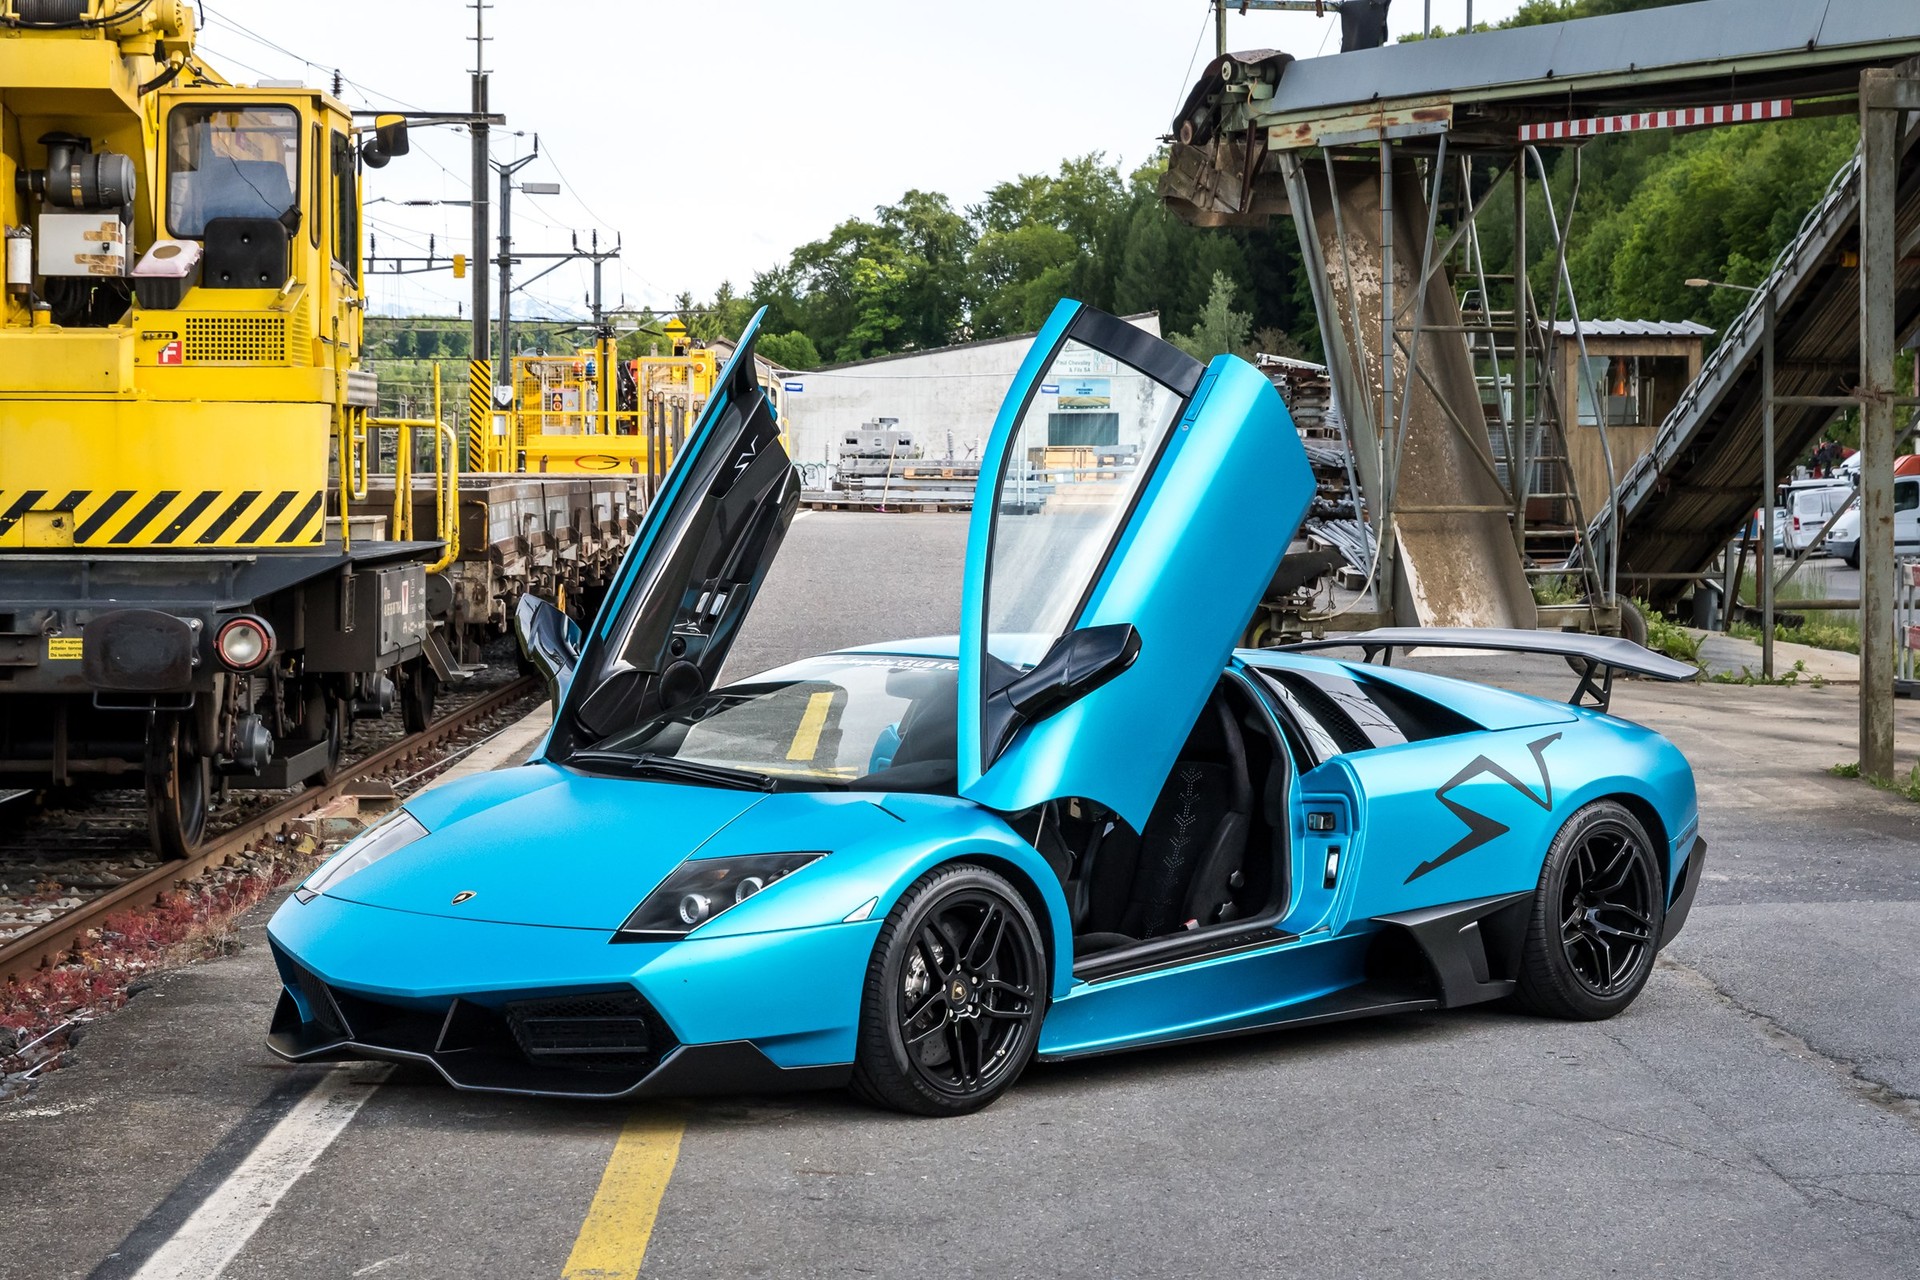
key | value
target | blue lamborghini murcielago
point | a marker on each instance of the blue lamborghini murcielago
(1088, 823)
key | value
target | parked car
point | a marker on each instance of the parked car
(1086, 824)
(1810, 504)
(1844, 540)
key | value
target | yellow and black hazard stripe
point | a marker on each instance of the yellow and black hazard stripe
(173, 517)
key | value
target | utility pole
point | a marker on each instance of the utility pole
(1883, 95)
(503, 371)
(479, 130)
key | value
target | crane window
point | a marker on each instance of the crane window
(346, 216)
(231, 162)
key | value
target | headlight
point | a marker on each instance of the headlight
(698, 891)
(390, 836)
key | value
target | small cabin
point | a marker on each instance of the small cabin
(1637, 370)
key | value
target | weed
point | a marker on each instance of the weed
(1749, 676)
(1908, 786)
(1670, 638)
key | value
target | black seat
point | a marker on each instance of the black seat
(1178, 874)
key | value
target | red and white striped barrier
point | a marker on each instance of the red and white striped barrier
(1681, 118)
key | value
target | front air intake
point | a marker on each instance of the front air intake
(614, 1030)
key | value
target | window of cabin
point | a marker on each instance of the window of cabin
(316, 186)
(231, 162)
(346, 204)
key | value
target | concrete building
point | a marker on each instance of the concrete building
(940, 395)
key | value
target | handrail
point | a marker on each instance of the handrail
(446, 485)
(446, 477)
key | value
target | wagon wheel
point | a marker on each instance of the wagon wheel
(417, 695)
(179, 785)
(324, 718)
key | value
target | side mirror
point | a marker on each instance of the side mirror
(551, 641)
(389, 140)
(1079, 662)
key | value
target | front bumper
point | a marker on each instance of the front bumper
(566, 1012)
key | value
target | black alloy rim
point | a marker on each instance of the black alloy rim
(1606, 909)
(969, 993)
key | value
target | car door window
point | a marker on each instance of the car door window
(1906, 496)
(1085, 444)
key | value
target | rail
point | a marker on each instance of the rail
(50, 942)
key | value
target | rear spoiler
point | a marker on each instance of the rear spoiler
(1594, 659)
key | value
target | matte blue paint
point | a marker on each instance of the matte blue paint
(557, 858)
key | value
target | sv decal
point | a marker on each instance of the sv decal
(1481, 828)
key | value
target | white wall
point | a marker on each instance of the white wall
(955, 389)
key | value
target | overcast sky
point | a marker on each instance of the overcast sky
(713, 138)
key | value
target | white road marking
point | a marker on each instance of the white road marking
(215, 1233)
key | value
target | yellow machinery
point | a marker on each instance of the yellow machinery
(589, 413)
(189, 594)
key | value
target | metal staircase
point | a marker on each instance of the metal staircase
(1678, 505)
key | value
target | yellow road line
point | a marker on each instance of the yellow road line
(613, 1240)
(806, 739)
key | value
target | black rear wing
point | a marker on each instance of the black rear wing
(1594, 659)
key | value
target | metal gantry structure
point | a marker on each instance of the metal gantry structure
(1387, 159)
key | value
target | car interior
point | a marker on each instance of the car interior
(1214, 850)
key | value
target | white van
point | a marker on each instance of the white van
(1810, 504)
(1844, 541)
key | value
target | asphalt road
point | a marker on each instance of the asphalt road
(1754, 1114)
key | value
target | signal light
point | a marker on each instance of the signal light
(244, 643)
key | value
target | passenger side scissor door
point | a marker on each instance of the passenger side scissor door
(1133, 506)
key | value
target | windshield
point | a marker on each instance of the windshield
(230, 162)
(827, 722)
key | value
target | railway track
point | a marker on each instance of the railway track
(47, 943)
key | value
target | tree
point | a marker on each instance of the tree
(1221, 330)
(792, 350)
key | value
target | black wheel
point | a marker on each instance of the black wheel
(324, 718)
(954, 996)
(179, 786)
(416, 697)
(1596, 917)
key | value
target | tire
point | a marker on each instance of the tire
(324, 716)
(1596, 920)
(179, 786)
(417, 697)
(951, 1050)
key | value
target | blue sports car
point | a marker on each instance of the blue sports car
(1086, 824)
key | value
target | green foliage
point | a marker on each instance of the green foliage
(1749, 676)
(1220, 330)
(920, 273)
(1669, 637)
(1908, 786)
(792, 350)
(1556, 589)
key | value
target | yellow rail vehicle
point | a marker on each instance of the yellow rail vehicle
(183, 422)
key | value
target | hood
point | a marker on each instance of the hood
(541, 845)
